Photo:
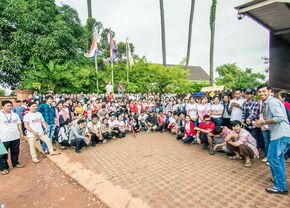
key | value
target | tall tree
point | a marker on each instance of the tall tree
(163, 32)
(89, 2)
(189, 32)
(212, 34)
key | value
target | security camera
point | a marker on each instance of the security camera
(240, 16)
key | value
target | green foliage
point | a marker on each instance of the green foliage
(233, 77)
(36, 30)
(2, 92)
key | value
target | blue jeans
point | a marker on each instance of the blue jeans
(50, 133)
(188, 139)
(276, 152)
(266, 137)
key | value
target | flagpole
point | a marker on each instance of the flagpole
(127, 55)
(97, 72)
(112, 68)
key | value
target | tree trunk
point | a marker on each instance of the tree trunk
(212, 35)
(89, 2)
(163, 32)
(189, 33)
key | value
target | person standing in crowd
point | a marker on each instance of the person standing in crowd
(34, 123)
(275, 116)
(236, 106)
(250, 114)
(191, 110)
(48, 112)
(121, 88)
(10, 135)
(242, 143)
(217, 110)
(19, 109)
(226, 112)
(203, 109)
(109, 88)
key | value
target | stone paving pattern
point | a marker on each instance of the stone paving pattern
(164, 172)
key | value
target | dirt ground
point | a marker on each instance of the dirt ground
(42, 185)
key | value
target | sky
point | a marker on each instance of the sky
(236, 41)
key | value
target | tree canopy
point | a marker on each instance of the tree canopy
(231, 76)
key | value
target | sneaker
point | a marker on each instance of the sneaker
(267, 163)
(19, 165)
(274, 190)
(78, 151)
(36, 160)
(104, 141)
(265, 159)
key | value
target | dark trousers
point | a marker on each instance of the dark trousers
(243, 150)
(257, 134)
(162, 127)
(14, 151)
(217, 121)
(227, 122)
(78, 143)
(94, 139)
(107, 135)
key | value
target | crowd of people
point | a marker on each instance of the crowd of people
(235, 123)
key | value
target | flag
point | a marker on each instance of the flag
(93, 52)
(113, 49)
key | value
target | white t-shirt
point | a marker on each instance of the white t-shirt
(204, 109)
(237, 113)
(192, 110)
(96, 126)
(215, 108)
(141, 118)
(109, 88)
(34, 121)
(8, 126)
(113, 123)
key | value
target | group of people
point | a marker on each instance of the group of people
(235, 123)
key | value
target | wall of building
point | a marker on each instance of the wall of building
(279, 74)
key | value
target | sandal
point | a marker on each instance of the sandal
(4, 172)
(248, 164)
(55, 153)
(235, 158)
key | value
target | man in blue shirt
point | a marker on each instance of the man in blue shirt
(275, 116)
(18, 109)
(48, 113)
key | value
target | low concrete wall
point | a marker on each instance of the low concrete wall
(11, 98)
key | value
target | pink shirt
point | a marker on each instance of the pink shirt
(247, 139)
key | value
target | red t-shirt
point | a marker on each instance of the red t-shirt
(205, 126)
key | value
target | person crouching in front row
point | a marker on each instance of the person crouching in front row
(34, 123)
(63, 135)
(204, 134)
(77, 135)
(189, 132)
(242, 143)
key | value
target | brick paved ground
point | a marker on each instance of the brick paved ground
(163, 172)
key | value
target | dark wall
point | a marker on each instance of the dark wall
(279, 75)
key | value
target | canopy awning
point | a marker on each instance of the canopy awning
(271, 14)
(212, 88)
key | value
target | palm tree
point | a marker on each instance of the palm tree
(89, 2)
(163, 32)
(189, 32)
(212, 34)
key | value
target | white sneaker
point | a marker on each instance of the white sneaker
(104, 141)
(265, 159)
